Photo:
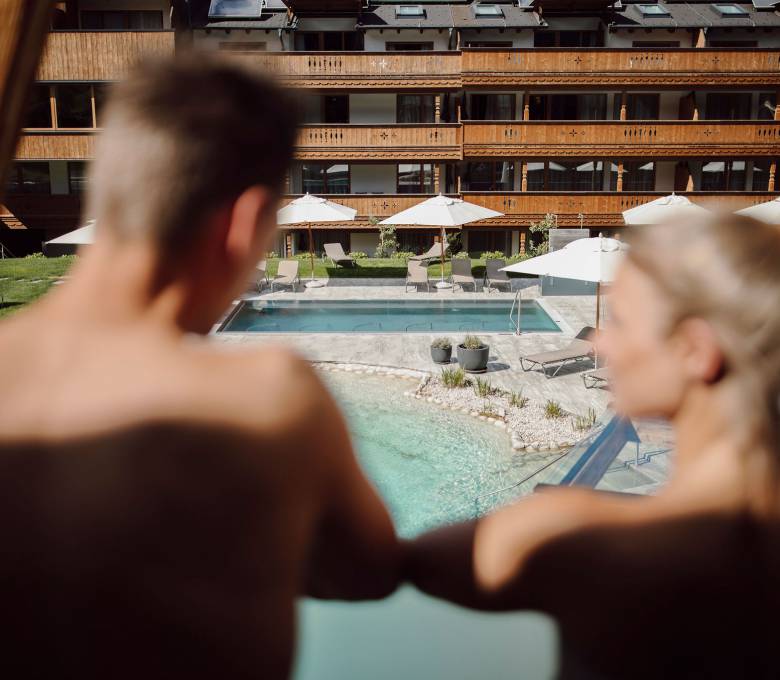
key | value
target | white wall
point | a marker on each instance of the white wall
(519, 38)
(373, 179)
(372, 108)
(364, 241)
(771, 39)
(215, 36)
(375, 39)
(111, 5)
(622, 37)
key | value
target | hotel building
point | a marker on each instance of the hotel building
(577, 108)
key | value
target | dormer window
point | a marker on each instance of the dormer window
(409, 11)
(728, 10)
(488, 11)
(653, 11)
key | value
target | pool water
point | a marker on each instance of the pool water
(429, 465)
(385, 316)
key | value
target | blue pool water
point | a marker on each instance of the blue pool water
(384, 316)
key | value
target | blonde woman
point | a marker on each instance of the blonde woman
(685, 583)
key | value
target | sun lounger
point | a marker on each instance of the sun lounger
(335, 253)
(260, 276)
(578, 349)
(494, 277)
(416, 273)
(433, 253)
(287, 274)
(596, 378)
(461, 273)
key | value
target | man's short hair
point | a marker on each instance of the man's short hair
(184, 137)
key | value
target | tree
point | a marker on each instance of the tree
(388, 243)
(540, 240)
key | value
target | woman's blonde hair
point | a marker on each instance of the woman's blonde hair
(725, 269)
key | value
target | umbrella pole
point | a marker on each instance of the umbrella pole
(311, 252)
(598, 320)
(442, 237)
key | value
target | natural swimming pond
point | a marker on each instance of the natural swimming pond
(385, 316)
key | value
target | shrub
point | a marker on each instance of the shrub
(357, 254)
(517, 399)
(462, 255)
(453, 377)
(403, 255)
(552, 409)
(272, 255)
(483, 388)
(585, 422)
(34, 256)
(442, 343)
(493, 255)
(472, 342)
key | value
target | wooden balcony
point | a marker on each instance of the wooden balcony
(99, 55)
(361, 70)
(47, 145)
(379, 142)
(598, 209)
(627, 67)
(621, 139)
(40, 211)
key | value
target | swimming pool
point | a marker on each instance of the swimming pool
(384, 316)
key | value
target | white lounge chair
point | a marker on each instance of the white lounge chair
(598, 377)
(494, 277)
(335, 253)
(578, 349)
(461, 273)
(416, 274)
(287, 274)
(433, 253)
(260, 276)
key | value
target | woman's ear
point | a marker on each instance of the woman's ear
(701, 353)
(246, 215)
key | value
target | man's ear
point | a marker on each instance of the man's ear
(245, 217)
(702, 355)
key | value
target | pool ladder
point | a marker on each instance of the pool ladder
(517, 302)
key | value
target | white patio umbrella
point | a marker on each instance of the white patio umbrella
(308, 209)
(69, 242)
(442, 211)
(586, 259)
(661, 209)
(768, 212)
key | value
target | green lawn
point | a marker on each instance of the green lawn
(24, 279)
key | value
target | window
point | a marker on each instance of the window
(325, 178)
(723, 176)
(335, 109)
(490, 176)
(637, 176)
(728, 106)
(761, 174)
(100, 91)
(328, 41)
(39, 109)
(414, 178)
(492, 107)
(638, 107)
(29, 178)
(414, 108)
(408, 46)
(653, 11)
(652, 44)
(77, 177)
(128, 20)
(406, 11)
(565, 175)
(767, 101)
(568, 39)
(74, 105)
(495, 44)
(488, 11)
(728, 10)
(577, 107)
(242, 46)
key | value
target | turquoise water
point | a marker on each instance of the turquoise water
(385, 316)
(429, 465)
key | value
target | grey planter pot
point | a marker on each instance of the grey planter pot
(474, 360)
(441, 355)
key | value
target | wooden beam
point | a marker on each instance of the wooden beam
(23, 28)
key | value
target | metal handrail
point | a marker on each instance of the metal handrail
(517, 301)
(641, 460)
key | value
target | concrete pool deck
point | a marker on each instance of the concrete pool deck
(411, 350)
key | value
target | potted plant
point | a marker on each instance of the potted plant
(473, 354)
(441, 350)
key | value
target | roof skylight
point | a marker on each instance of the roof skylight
(653, 11)
(488, 11)
(728, 10)
(235, 9)
(409, 11)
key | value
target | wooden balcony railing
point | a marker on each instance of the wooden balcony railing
(40, 211)
(666, 67)
(380, 142)
(621, 138)
(99, 55)
(55, 145)
(361, 70)
(593, 209)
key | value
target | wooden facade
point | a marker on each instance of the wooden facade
(380, 142)
(99, 55)
(361, 70)
(56, 145)
(628, 67)
(658, 138)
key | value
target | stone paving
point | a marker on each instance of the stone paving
(411, 350)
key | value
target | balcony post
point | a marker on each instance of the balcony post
(701, 38)
(53, 105)
(522, 242)
(772, 172)
(526, 107)
(437, 109)
(623, 105)
(524, 176)
(620, 176)
(436, 178)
